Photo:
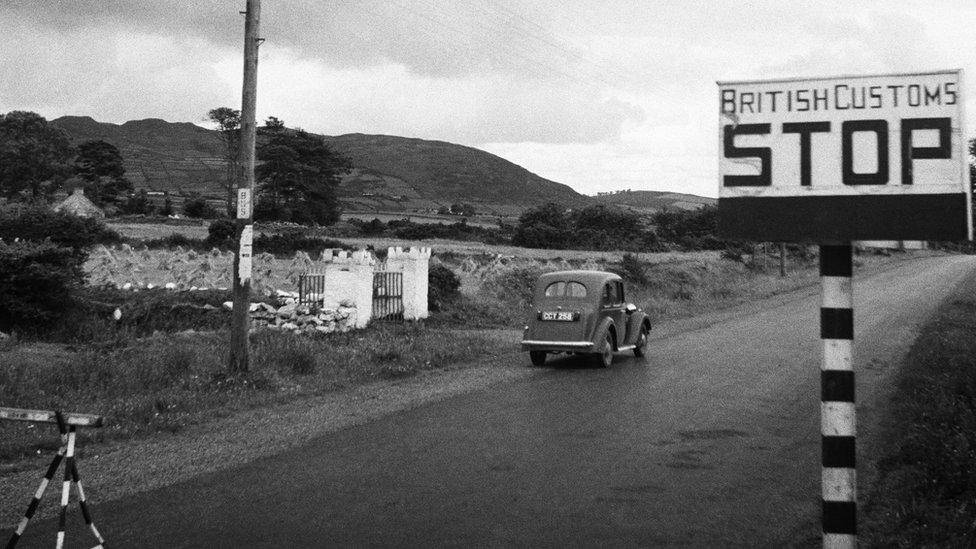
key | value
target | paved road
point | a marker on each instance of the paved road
(712, 441)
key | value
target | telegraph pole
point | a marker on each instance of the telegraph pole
(240, 321)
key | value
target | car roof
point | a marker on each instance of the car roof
(588, 278)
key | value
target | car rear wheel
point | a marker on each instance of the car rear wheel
(538, 357)
(605, 355)
(641, 346)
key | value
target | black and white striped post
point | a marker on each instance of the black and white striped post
(69, 458)
(837, 424)
(67, 423)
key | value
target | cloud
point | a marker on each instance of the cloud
(429, 37)
(470, 110)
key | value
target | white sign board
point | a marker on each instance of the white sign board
(243, 203)
(876, 150)
(245, 251)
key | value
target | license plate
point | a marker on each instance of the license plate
(560, 315)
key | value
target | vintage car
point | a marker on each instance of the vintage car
(583, 312)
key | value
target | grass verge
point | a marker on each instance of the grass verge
(925, 494)
(170, 381)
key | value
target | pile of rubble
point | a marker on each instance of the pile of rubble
(287, 314)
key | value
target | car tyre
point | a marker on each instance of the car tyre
(538, 357)
(640, 348)
(605, 356)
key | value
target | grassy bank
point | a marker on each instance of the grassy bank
(925, 495)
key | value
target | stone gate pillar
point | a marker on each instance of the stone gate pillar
(414, 263)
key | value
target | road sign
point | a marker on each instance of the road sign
(845, 158)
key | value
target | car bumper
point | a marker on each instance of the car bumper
(568, 346)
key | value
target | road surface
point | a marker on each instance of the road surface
(713, 440)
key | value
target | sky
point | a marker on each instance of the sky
(601, 95)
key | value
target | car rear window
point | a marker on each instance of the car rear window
(565, 289)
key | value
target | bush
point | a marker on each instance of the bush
(38, 223)
(289, 242)
(36, 283)
(372, 228)
(221, 232)
(198, 207)
(174, 240)
(632, 269)
(443, 286)
(136, 204)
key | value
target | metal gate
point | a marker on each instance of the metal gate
(387, 295)
(311, 288)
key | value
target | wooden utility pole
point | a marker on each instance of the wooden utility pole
(240, 321)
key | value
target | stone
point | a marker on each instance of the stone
(170, 286)
(229, 305)
(288, 310)
(289, 326)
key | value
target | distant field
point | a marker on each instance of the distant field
(431, 219)
(160, 230)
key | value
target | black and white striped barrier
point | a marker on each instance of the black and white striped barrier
(837, 425)
(67, 423)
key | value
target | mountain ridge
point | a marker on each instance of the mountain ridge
(391, 173)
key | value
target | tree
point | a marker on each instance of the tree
(228, 123)
(34, 156)
(544, 227)
(298, 177)
(100, 164)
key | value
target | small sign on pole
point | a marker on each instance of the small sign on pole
(243, 203)
(833, 160)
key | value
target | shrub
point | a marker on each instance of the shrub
(514, 286)
(632, 269)
(37, 223)
(372, 228)
(289, 242)
(174, 240)
(136, 204)
(221, 232)
(443, 286)
(198, 207)
(36, 281)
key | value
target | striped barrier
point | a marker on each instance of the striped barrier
(67, 424)
(837, 425)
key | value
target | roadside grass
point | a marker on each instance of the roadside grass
(925, 494)
(500, 295)
(170, 381)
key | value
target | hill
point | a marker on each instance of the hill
(180, 158)
(653, 201)
(391, 173)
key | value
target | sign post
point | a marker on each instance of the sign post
(239, 357)
(832, 161)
